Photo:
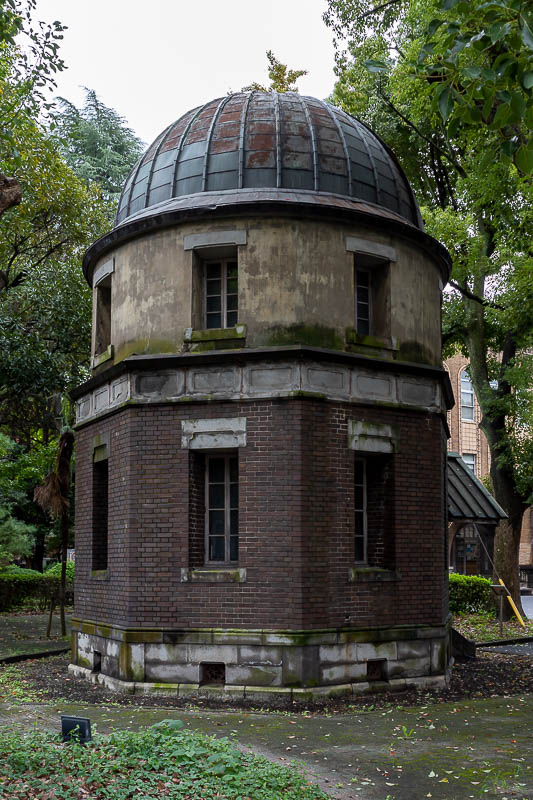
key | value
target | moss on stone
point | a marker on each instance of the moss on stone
(217, 334)
(145, 347)
(415, 352)
(312, 335)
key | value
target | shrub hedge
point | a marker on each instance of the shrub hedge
(19, 585)
(470, 594)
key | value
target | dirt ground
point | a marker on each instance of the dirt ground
(489, 675)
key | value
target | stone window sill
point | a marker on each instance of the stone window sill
(363, 574)
(215, 338)
(100, 574)
(102, 357)
(358, 343)
(214, 575)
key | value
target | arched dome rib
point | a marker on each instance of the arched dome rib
(266, 140)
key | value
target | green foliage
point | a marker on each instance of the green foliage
(55, 571)
(15, 536)
(19, 586)
(282, 79)
(470, 594)
(97, 145)
(27, 69)
(399, 73)
(164, 759)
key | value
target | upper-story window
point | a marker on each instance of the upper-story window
(371, 296)
(362, 301)
(467, 397)
(470, 461)
(102, 328)
(221, 293)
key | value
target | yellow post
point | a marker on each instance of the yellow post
(511, 603)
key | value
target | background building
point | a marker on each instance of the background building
(467, 439)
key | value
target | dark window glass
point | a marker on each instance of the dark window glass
(222, 508)
(360, 512)
(221, 294)
(362, 302)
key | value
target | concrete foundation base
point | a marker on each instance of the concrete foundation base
(233, 663)
(277, 693)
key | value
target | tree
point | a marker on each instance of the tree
(97, 145)
(26, 77)
(24, 525)
(400, 62)
(53, 496)
(282, 79)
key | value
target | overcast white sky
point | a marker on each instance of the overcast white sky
(154, 60)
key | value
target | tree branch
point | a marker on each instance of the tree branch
(411, 125)
(380, 8)
(482, 301)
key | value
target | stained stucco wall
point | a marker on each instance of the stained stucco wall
(296, 285)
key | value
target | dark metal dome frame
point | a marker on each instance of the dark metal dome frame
(268, 140)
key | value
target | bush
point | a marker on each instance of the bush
(55, 571)
(470, 594)
(15, 588)
(19, 585)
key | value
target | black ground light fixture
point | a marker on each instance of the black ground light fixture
(76, 729)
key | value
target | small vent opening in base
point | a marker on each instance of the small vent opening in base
(376, 669)
(97, 661)
(212, 674)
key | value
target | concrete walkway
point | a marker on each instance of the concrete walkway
(25, 634)
(476, 749)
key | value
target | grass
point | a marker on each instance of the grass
(165, 760)
(484, 627)
(14, 686)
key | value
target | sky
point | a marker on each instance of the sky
(153, 60)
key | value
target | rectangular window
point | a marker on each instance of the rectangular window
(467, 397)
(363, 309)
(222, 509)
(102, 327)
(100, 514)
(361, 519)
(470, 461)
(221, 293)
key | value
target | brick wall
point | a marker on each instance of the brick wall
(296, 520)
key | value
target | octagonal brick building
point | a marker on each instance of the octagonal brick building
(261, 448)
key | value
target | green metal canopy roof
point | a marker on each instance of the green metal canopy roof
(468, 500)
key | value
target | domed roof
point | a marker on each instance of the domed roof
(263, 145)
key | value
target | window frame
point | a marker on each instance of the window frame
(364, 511)
(368, 287)
(100, 512)
(102, 315)
(227, 456)
(471, 464)
(224, 311)
(469, 391)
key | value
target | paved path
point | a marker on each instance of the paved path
(26, 634)
(476, 749)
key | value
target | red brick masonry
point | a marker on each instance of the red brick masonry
(296, 521)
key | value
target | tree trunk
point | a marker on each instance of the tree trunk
(506, 566)
(63, 584)
(10, 193)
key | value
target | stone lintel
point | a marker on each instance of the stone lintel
(356, 244)
(367, 437)
(197, 241)
(212, 434)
